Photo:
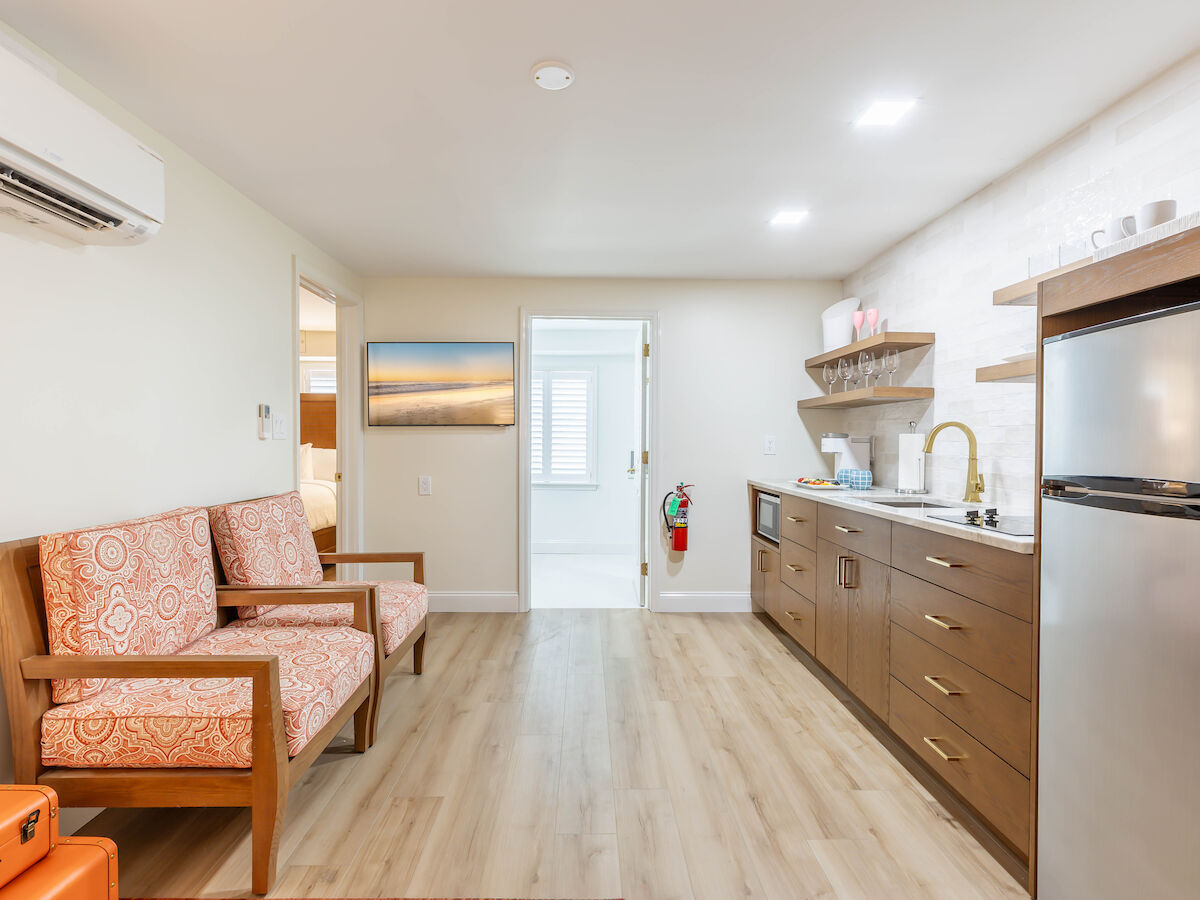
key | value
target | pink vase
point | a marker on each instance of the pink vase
(858, 324)
(872, 321)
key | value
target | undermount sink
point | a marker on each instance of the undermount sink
(911, 504)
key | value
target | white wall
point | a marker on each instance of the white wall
(731, 363)
(599, 518)
(134, 373)
(1146, 147)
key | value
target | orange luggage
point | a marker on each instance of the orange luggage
(28, 827)
(78, 868)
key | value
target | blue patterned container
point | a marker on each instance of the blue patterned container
(856, 479)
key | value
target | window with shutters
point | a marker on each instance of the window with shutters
(318, 375)
(562, 427)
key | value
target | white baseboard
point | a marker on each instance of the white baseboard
(583, 547)
(477, 601)
(703, 601)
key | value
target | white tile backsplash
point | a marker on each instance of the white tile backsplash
(1146, 147)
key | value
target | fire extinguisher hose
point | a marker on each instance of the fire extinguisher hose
(666, 518)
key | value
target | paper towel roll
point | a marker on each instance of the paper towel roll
(911, 474)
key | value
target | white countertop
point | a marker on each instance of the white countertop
(861, 500)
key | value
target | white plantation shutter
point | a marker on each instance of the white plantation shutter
(535, 426)
(563, 427)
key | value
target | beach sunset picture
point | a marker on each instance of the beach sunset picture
(448, 383)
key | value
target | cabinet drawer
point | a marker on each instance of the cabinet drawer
(798, 568)
(797, 616)
(799, 521)
(999, 578)
(866, 534)
(989, 712)
(999, 646)
(997, 791)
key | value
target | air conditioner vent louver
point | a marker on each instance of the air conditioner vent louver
(54, 202)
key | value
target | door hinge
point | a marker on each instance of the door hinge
(645, 349)
(645, 568)
(645, 457)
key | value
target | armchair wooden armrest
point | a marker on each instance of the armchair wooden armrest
(366, 613)
(417, 559)
(173, 666)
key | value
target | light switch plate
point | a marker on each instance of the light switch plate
(768, 445)
(424, 485)
(279, 427)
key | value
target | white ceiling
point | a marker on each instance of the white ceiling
(408, 138)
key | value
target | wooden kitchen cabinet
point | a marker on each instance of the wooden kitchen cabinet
(868, 642)
(832, 612)
(765, 584)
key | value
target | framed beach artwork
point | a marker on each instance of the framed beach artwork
(440, 383)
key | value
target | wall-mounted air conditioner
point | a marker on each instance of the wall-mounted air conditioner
(67, 168)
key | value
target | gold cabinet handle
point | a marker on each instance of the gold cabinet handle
(846, 529)
(761, 567)
(846, 570)
(940, 622)
(936, 681)
(841, 571)
(795, 568)
(793, 616)
(795, 519)
(944, 563)
(948, 757)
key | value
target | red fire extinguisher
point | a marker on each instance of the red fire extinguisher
(675, 515)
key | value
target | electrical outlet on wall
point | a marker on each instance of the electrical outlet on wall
(279, 427)
(424, 485)
(768, 445)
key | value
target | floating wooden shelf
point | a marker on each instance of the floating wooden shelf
(876, 394)
(1024, 293)
(888, 340)
(1021, 371)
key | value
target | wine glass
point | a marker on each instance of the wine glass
(866, 363)
(844, 370)
(859, 317)
(891, 362)
(829, 375)
(856, 375)
(872, 321)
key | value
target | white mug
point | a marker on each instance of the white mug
(1118, 228)
(1155, 213)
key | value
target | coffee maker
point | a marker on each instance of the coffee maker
(848, 452)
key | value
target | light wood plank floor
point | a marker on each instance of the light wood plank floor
(587, 754)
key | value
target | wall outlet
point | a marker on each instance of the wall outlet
(424, 485)
(768, 445)
(279, 427)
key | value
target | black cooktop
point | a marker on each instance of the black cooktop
(989, 519)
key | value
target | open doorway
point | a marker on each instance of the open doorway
(586, 461)
(319, 475)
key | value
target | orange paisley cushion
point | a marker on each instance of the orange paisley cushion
(402, 606)
(149, 722)
(266, 541)
(141, 586)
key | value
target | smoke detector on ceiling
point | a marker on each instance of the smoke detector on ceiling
(553, 75)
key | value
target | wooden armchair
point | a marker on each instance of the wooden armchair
(26, 668)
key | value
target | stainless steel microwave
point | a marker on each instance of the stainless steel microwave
(767, 517)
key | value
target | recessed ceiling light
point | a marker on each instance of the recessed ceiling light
(789, 217)
(553, 75)
(885, 112)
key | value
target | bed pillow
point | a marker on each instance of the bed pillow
(306, 462)
(324, 464)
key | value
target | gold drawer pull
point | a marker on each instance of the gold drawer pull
(793, 616)
(936, 681)
(948, 757)
(761, 554)
(796, 519)
(795, 568)
(940, 622)
(846, 529)
(944, 563)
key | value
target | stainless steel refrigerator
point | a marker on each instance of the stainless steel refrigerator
(1119, 688)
